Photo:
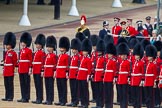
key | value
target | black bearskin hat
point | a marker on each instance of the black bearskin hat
(40, 39)
(51, 42)
(26, 38)
(151, 51)
(138, 50)
(10, 39)
(87, 45)
(123, 48)
(158, 45)
(144, 43)
(100, 46)
(122, 39)
(94, 39)
(76, 44)
(64, 43)
(80, 36)
(111, 49)
(108, 39)
(133, 42)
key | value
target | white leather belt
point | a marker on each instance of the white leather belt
(36, 62)
(61, 66)
(8, 64)
(73, 67)
(83, 69)
(99, 69)
(160, 76)
(24, 60)
(108, 70)
(123, 72)
(136, 74)
(149, 74)
(48, 65)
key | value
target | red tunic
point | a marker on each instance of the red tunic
(110, 72)
(25, 60)
(75, 60)
(38, 61)
(160, 77)
(151, 74)
(9, 63)
(131, 30)
(98, 76)
(124, 71)
(115, 30)
(137, 73)
(50, 65)
(62, 65)
(94, 56)
(85, 68)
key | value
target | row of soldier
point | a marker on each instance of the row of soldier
(134, 67)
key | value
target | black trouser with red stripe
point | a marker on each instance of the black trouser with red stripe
(62, 89)
(149, 96)
(38, 81)
(84, 95)
(108, 94)
(9, 87)
(49, 85)
(25, 85)
(74, 91)
(136, 96)
(123, 92)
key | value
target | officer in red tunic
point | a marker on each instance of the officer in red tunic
(160, 79)
(38, 62)
(109, 75)
(10, 61)
(137, 75)
(25, 62)
(116, 29)
(94, 55)
(123, 75)
(98, 74)
(84, 73)
(49, 68)
(132, 31)
(75, 61)
(150, 76)
(158, 45)
(62, 70)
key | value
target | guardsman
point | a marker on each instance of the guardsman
(49, 69)
(148, 25)
(24, 65)
(150, 76)
(98, 75)
(84, 72)
(83, 28)
(75, 61)
(123, 74)
(116, 29)
(160, 79)
(38, 62)
(62, 70)
(132, 31)
(105, 30)
(94, 55)
(158, 45)
(10, 61)
(109, 75)
(137, 75)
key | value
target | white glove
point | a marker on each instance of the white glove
(42, 74)
(128, 80)
(67, 76)
(154, 84)
(142, 83)
(88, 78)
(114, 80)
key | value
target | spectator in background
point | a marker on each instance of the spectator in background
(155, 37)
(105, 30)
